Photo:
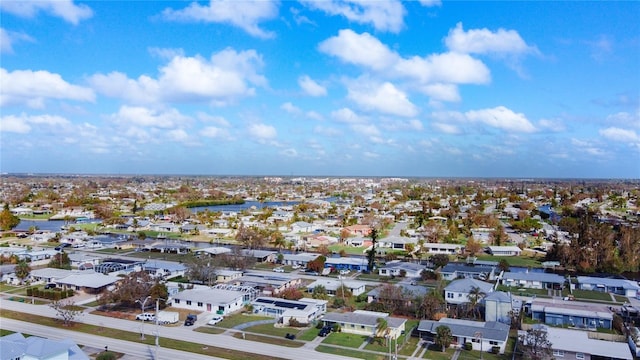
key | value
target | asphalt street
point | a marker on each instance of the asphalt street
(179, 333)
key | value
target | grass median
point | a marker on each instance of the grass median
(135, 337)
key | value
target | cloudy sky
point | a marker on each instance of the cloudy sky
(367, 88)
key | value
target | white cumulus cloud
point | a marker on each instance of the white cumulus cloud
(22, 124)
(484, 41)
(64, 9)
(621, 135)
(384, 98)
(32, 88)
(227, 75)
(383, 15)
(359, 49)
(246, 15)
(149, 118)
(502, 118)
(311, 87)
(262, 131)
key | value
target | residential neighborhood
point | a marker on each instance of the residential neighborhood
(369, 268)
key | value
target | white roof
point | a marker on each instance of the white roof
(89, 280)
(578, 341)
(217, 296)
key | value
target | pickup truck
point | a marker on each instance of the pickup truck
(191, 319)
(146, 317)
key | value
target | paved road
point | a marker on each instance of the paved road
(179, 333)
(131, 349)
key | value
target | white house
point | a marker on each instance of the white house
(363, 322)
(457, 292)
(437, 248)
(356, 287)
(622, 287)
(217, 301)
(504, 250)
(483, 336)
(397, 268)
(305, 310)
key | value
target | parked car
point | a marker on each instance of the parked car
(279, 269)
(325, 331)
(290, 336)
(344, 272)
(215, 319)
(146, 317)
(296, 266)
(191, 319)
(62, 246)
(50, 286)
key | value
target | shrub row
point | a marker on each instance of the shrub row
(55, 294)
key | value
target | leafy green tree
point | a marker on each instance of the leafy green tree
(320, 292)
(159, 292)
(439, 260)
(503, 265)
(7, 220)
(444, 338)
(22, 270)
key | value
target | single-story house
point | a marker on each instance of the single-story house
(49, 275)
(268, 284)
(504, 250)
(457, 292)
(533, 280)
(39, 257)
(260, 256)
(302, 227)
(571, 313)
(397, 268)
(301, 259)
(622, 287)
(483, 336)
(363, 322)
(79, 259)
(305, 310)
(359, 230)
(576, 344)
(454, 271)
(8, 274)
(225, 275)
(88, 281)
(398, 242)
(212, 251)
(356, 287)
(437, 248)
(18, 347)
(213, 300)
(164, 269)
(347, 263)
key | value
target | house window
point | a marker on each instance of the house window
(558, 353)
(494, 343)
(449, 295)
(188, 302)
(459, 295)
(199, 304)
(361, 326)
(580, 356)
(177, 301)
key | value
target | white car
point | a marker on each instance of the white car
(344, 272)
(146, 317)
(279, 269)
(215, 319)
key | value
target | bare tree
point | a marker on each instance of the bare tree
(66, 310)
(535, 345)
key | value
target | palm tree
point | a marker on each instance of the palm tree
(475, 295)
(278, 240)
(382, 328)
(444, 338)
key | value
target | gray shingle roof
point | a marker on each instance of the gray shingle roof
(465, 285)
(491, 330)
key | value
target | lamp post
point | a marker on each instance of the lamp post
(158, 325)
(142, 304)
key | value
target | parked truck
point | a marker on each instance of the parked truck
(167, 317)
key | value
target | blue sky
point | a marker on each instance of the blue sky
(340, 88)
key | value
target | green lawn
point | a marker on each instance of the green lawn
(237, 319)
(344, 339)
(434, 353)
(351, 250)
(409, 347)
(7, 288)
(350, 353)
(269, 329)
(135, 337)
(309, 334)
(269, 340)
(524, 261)
(621, 299)
(592, 295)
